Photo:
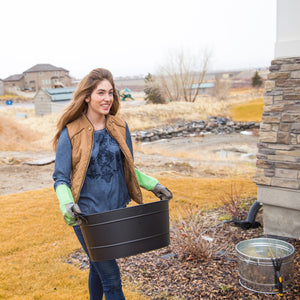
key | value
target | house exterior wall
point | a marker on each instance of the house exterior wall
(12, 86)
(46, 79)
(281, 210)
(278, 159)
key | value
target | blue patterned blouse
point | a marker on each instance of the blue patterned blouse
(104, 186)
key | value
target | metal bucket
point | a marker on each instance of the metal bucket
(127, 231)
(266, 265)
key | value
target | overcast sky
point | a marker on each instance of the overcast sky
(133, 37)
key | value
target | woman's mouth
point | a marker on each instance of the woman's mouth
(105, 107)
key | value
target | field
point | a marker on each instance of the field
(36, 243)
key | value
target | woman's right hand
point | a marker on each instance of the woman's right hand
(69, 214)
(67, 205)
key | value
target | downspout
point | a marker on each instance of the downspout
(250, 221)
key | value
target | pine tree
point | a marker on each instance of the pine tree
(256, 80)
(152, 91)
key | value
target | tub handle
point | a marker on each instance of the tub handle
(278, 279)
(79, 216)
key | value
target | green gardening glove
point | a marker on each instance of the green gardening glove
(145, 181)
(67, 205)
(151, 184)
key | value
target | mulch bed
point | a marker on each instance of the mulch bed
(162, 274)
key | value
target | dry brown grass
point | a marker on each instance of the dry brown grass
(35, 240)
(34, 244)
(32, 133)
(42, 129)
(14, 136)
(203, 193)
(45, 128)
(250, 111)
(152, 115)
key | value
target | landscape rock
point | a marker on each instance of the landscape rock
(214, 125)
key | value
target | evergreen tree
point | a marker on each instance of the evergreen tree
(152, 91)
(256, 80)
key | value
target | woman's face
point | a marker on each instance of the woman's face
(101, 98)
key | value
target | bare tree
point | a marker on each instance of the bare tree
(181, 76)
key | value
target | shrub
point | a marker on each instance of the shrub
(187, 240)
(152, 91)
(256, 80)
(232, 201)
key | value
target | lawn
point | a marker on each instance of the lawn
(250, 111)
(35, 241)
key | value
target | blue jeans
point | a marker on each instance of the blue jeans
(104, 276)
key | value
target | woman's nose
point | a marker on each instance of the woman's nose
(107, 96)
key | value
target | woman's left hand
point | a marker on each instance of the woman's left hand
(162, 192)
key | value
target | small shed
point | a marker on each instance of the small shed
(48, 101)
(204, 87)
(1, 87)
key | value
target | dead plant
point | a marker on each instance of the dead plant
(187, 241)
(232, 201)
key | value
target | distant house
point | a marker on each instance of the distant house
(46, 76)
(40, 76)
(50, 101)
(13, 82)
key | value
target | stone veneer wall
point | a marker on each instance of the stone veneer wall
(278, 159)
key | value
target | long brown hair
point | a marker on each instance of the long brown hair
(78, 105)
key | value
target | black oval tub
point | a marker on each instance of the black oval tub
(127, 231)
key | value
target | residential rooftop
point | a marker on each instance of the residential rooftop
(44, 68)
(15, 77)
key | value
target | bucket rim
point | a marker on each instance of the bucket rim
(123, 219)
(275, 241)
(124, 208)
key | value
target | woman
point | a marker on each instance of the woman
(94, 169)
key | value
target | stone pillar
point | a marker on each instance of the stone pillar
(278, 159)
